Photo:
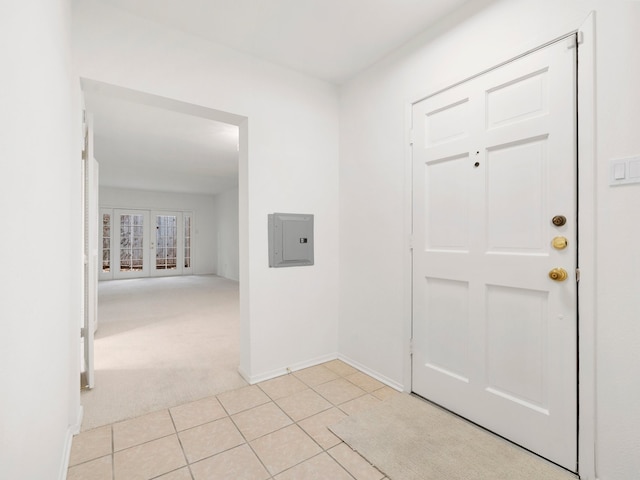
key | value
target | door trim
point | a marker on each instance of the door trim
(586, 174)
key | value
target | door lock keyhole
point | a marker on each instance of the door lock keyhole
(559, 220)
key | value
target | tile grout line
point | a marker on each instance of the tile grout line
(333, 405)
(302, 429)
(243, 435)
(294, 422)
(307, 387)
(113, 454)
(184, 454)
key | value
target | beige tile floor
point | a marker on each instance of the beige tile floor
(273, 430)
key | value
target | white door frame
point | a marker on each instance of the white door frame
(90, 174)
(586, 235)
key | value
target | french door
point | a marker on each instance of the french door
(170, 243)
(495, 249)
(141, 243)
(132, 245)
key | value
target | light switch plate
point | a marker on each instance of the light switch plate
(623, 171)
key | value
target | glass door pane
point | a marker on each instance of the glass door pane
(133, 244)
(167, 243)
(105, 243)
(187, 243)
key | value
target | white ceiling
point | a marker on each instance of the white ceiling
(328, 39)
(144, 145)
(142, 142)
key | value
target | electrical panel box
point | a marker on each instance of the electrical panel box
(290, 240)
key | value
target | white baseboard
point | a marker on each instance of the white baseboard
(76, 428)
(66, 453)
(244, 375)
(387, 381)
(253, 379)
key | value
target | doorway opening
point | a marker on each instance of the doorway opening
(170, 189)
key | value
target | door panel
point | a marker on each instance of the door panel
(448, 220)
(106, 244)
(447, 336)
(132, 244)
(516, 369)
(187, 261)
(494, 337)
(166, 248)
(515, 184)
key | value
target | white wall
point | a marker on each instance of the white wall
(41, 241)
(202, 206)
(227, 230)
(292, 155)
(374, 220)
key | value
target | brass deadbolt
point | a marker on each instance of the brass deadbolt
(558, 274)
(559, 220)
(559, 243)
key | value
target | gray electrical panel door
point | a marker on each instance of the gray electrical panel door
(290, 240)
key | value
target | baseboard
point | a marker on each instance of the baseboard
(387, 381)
(66, 453)
(244, 375)
(75, 429)
(253, 379)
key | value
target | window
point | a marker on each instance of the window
(131, 248)
(106, 242)
(187, 240)
(166, 242)
(131, 242)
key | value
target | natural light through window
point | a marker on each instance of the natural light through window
(166, 242)
(131, 242)
(106, 242)
(187, 241)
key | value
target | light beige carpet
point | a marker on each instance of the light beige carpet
(162, 342)
(410, 439)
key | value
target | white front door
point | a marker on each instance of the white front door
(131, 246)
(494, 172)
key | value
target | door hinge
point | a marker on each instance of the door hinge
(411, 346)
(410, 242)
(574, 40)
(411, 136)
(82, 332)
(577, 275)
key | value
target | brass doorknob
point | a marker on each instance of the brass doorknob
(559, 243)
(558, 274)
